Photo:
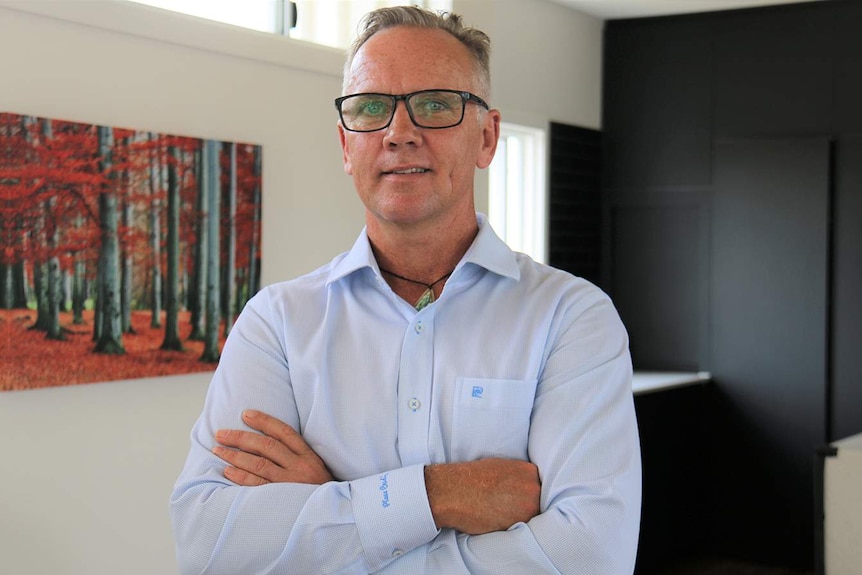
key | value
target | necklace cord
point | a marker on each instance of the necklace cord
(427, 296)
(427, 285)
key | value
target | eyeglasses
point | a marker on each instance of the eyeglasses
(435, 109)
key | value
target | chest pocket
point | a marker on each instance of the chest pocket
(491, 418)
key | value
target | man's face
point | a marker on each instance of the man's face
(405, 174)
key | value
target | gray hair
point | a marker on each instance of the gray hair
(477, 42)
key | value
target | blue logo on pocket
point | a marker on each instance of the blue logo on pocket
(478, 391)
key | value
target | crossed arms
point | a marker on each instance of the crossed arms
(473, 497)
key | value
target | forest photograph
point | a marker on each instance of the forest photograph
(125, 253)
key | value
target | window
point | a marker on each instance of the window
(263, 15)
(516, 203)
(334, 22)
(328, 22)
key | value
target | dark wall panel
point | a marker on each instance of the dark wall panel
(848, 67)
(768, 291)
(657, 103)
(674, 475)
(773, 72)
(659, 270)
(575, 205)
(847, 303)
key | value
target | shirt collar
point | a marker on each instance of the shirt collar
(490, 252)
(487, 251)
(360, 256)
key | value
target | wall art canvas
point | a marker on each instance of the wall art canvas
(125, 253)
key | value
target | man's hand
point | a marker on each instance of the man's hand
(483, 496)
(280, 455)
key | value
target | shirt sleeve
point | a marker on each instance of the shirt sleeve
(584, 440)
(339, 527)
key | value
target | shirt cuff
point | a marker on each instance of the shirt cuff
(392, 514)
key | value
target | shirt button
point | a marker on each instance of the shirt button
(414, 404)
(397, 553)
(419, 327)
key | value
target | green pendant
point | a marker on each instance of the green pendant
(426, 298)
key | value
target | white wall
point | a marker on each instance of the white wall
(842, 507)
(86, 471)
(546, 61)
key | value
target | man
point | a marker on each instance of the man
(430, 401)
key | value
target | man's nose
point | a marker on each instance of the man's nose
(401, 129)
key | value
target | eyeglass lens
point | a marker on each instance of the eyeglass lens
(428, 109)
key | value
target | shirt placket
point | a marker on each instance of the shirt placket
(414, 389)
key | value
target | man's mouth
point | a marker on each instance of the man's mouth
(409, 171)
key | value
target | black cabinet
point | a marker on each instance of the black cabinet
(846, 309)
(773, 71)
(673, 429)
(658, 103)
(768, 319)
(733, 185)
(659, 270)
(847, 65)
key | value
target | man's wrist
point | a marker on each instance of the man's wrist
(438, 478)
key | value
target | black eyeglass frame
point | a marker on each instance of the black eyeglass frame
(465, 97)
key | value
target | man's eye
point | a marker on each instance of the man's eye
(433, 106)
(373, 108)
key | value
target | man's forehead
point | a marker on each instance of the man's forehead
(397, 52)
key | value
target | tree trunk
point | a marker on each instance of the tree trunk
(14, 293)
(79, 294)
(230, 272)
(7, 287)
(239, 299)
(53, 277)
(51, 240)
(40, 284)
(172, 294)
(156, 232)
(19, 285)
(197, 295)
(110, 339)
(127, 276)
(211, 183)
(253, 271)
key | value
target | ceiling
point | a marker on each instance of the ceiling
(611, 9)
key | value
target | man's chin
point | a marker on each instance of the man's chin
(403, 213)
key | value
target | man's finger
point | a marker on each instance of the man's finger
(243, 478)
(257, 444)
(276, 428)
(260, 467)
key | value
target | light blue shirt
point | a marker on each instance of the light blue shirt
(515, 359)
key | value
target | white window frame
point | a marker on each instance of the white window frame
(326, 22)
(334, 22)
(262, 15)
(517, 190)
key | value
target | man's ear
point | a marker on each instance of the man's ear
(490, 137)
(345, 152)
